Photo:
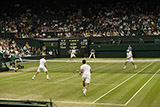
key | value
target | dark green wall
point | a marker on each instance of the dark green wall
(119, 51)
(32, 42)
(150, 48)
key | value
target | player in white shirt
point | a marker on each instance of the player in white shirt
(42, 66)
(129, 59)
(73, 52)
(86, 75)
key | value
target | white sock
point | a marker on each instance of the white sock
(47, 76)
(34, 76)
(135, 66)
(84, 91)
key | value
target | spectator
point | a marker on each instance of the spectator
(116, 18)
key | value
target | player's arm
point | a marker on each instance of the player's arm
(129, 57)
(45, 64)
(91, 70)
(81, 72)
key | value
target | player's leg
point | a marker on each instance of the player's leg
(38, 70)
(86, 85)
(35, 75)
(83, 82)
(47, 75)
(74, 57)
(133, 63)
(125, 65)
(45, 70)
(135, 66)
(83, 85)
(90, 55)
(70, 58)
(94, 56)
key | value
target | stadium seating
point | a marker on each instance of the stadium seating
(111, 19)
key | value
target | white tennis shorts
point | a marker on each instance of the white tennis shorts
(130, 60)
(73, 55)
(86, 78)
(42, 68)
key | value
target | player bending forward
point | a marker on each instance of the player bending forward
(129, 59)
(86, 75)
(42, 66)
(73, 54)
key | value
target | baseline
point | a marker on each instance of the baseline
(120, 84)
(149, 60)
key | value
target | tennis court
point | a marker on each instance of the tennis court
(111, 85)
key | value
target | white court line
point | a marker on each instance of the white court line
(141, 88)
(112, 104)
(151, 60)
(88, 103)
(121, 83)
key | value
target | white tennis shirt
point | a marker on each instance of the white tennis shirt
(42, 61)
(86, 69)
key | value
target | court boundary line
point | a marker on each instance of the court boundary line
(88, 103)
(151, 60)
(142, 87)
(121, 83)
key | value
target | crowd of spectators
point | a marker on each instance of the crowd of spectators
(80, 19)
(9, 48)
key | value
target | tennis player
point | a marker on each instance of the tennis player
(86, 75)
(42, 66)
(92, 53)
(129, 59)
(73, 53)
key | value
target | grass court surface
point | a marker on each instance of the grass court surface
(111, 85)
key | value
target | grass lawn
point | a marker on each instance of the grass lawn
(111, 85)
